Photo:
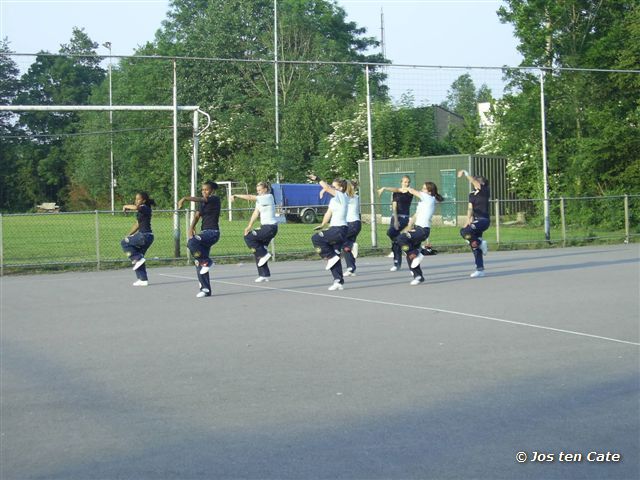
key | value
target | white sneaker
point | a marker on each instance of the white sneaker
(354, 250)
(141, 283)
(264, 259)
(484, 247)
(417, 281)
(332, 261)
(394, 268)
(390, 255)
(205, 269)
(336, 286)
(203, 293)
(139, 263)
(415, 263)
(349, 273)
(261, 279)
(477, 274)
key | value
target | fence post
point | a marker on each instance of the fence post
(626, 218)
(563, 222)
(1, 248)
(273, 248)
(97, 241)
(187, 225)
(498, 221)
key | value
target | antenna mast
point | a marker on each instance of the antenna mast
(382, 42)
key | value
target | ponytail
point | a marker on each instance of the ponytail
(432, 188)
(265, 185)
(145, 198)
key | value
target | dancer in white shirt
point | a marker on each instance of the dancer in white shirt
(258, 239)
(329, 243)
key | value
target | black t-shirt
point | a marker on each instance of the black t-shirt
(210, 213)
(144, 218)
(403, 201)
(479, 200)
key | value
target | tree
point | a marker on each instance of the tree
(55, 80)
(239, 94)
(463, 99)
(592, 127)
(10, 195)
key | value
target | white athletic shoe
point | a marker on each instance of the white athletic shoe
(390, 255)
(203, 293)
(415, 263)
(349, 273)
(484, 247)
(264, 259)
(261, 279)
(332, 261)
(417, 281)
(139, 263)
(205, 269)
(141, 283)
(394, 268)
(354, 250)
(477, 274)
(336, 286)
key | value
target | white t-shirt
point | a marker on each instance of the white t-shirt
(267, 208)
(338, 206)
(353, 209)
(425, 210)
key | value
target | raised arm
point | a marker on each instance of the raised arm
(190, 199)
(413, 192)
(129, 208)
(250, 198)
(473, 180)
(325, 186)
(391, 189)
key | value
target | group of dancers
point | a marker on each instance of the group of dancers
(406, 232)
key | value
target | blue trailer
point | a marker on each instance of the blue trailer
(300, 201)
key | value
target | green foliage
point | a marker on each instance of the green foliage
(593, 136)
(51, 80)
(463, 99)
(11, 198)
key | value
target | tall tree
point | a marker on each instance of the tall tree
(238, 88)
(10, 195)
(593, 137)
(56, 80)
(463, 99)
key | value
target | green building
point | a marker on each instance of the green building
(442, 170)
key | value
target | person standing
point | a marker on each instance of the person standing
(140, 237)
(478, 220)
(330, 242)
(200, 245)
(419, 228)
(401, 212)
(354, 225)
(258, 239)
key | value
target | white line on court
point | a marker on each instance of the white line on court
(416, 307)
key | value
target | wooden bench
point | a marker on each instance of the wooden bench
(48, 207)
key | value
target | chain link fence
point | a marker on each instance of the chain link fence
(54, 241)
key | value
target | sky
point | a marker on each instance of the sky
(417, 32)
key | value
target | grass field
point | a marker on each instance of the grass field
(95, 237)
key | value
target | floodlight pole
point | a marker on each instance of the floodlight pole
(176, 219)
(275, 63)
(374, 233)
(545, 173)
(112, 179)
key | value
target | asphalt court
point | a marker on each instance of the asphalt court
(448, 379)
